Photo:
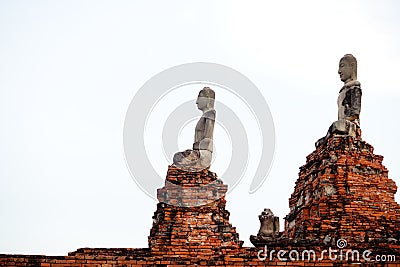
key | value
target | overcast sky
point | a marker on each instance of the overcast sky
(69, 70)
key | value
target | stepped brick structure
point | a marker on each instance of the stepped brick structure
(343, 192)
(195, 221)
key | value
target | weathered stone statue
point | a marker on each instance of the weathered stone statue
(201, 155)
(349, 101)
(269, 228)
(269, 224)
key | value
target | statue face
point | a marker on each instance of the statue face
(202, 102)
(345, 70)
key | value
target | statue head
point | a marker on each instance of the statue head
(206, 99)
(267, 212)
(348, 68)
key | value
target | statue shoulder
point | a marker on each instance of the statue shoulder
(210, 114)
(352, 85)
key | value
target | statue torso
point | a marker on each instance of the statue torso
(349, 102)
(204, 131)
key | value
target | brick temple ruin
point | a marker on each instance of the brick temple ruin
(342, 212)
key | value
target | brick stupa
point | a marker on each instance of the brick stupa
(191, 218)
(344, 192)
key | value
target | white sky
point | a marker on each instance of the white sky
(69, 69)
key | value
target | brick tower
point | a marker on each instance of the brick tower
(343, 192)
(191, 219)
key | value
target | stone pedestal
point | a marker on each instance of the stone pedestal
(191, 218)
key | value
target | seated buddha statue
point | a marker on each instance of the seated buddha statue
(349, 101)
(200, 156)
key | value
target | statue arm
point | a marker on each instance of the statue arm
(210, 121)
(206, 143)
(353, 107)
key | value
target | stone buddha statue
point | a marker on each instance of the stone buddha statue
(269, 224)
(349, 101)
(269, 229)
(200, 156)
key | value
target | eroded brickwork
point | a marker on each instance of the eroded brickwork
(343, 192)
(143, 258)
(191, 218)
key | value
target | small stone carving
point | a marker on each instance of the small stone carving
(200, 156)
(269, 224)
(349, 101)
(269, 228)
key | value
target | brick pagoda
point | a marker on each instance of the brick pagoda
(344, 192)
(191, 218)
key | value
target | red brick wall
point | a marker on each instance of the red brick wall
(142, 258)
